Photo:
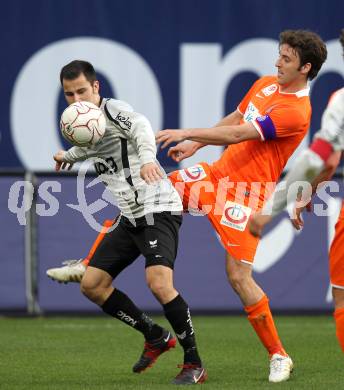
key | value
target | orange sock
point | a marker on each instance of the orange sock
(261, 319)
(339, 318)
(106, 225)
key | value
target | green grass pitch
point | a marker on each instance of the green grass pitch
(98, 353)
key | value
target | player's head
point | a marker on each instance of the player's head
(302, 54)
(79, 82)
(341, 40)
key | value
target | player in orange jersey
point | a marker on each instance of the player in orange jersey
(314, 166)
(263, 132)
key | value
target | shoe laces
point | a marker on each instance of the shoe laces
(72, 262)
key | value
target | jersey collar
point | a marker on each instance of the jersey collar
(299, 94)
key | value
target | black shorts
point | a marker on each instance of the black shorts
(157, 242)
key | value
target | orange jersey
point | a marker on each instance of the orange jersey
(281, 119)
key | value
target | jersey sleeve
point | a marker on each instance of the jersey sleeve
(280, 122)
(134, 126)
(332, 122)
(245, 101)
(77, 153)
(142, 133)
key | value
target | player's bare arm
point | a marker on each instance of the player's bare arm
(223, 135)
(187, 149)
(184, 150)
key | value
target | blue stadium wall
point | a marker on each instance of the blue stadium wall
(181, 63)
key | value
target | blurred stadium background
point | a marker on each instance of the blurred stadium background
(181, 63)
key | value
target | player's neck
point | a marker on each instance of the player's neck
(294, 86)
(98, 101)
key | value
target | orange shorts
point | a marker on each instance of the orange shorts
(201, 192)
(337, 253)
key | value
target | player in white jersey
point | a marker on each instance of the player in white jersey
(127, 157)
(148, 224)
(315, 165)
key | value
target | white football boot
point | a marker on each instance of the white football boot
(280, 368)
(71, 271)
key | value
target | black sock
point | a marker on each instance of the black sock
(178, 314)
(120, 306)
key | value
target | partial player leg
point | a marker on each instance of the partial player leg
(153, 349)
(178, 314)
(159, 244)
(106, 226)
(160, 281)
(97, 286)
(336, 257)
(73, 270)
(338, 296)
(115, 252)
(257, 307)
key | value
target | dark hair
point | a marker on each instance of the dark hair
(75, 68)
(309, 46)
(341, 39)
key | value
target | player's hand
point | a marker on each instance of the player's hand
(151, 173)
(169, 136)
(297, 220)
(182, 151)
(257, 223)
(60, 162)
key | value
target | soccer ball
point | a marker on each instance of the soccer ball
(82, 124)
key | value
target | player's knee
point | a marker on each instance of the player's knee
(159, 287)
(236, 278)
(156, 286)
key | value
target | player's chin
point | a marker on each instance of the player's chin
(280, 80)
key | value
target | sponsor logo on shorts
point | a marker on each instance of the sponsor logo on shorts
(194, 173)
(235, 216)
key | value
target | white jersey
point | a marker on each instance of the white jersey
(309, 163)
(128, 144)
(332, 122)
